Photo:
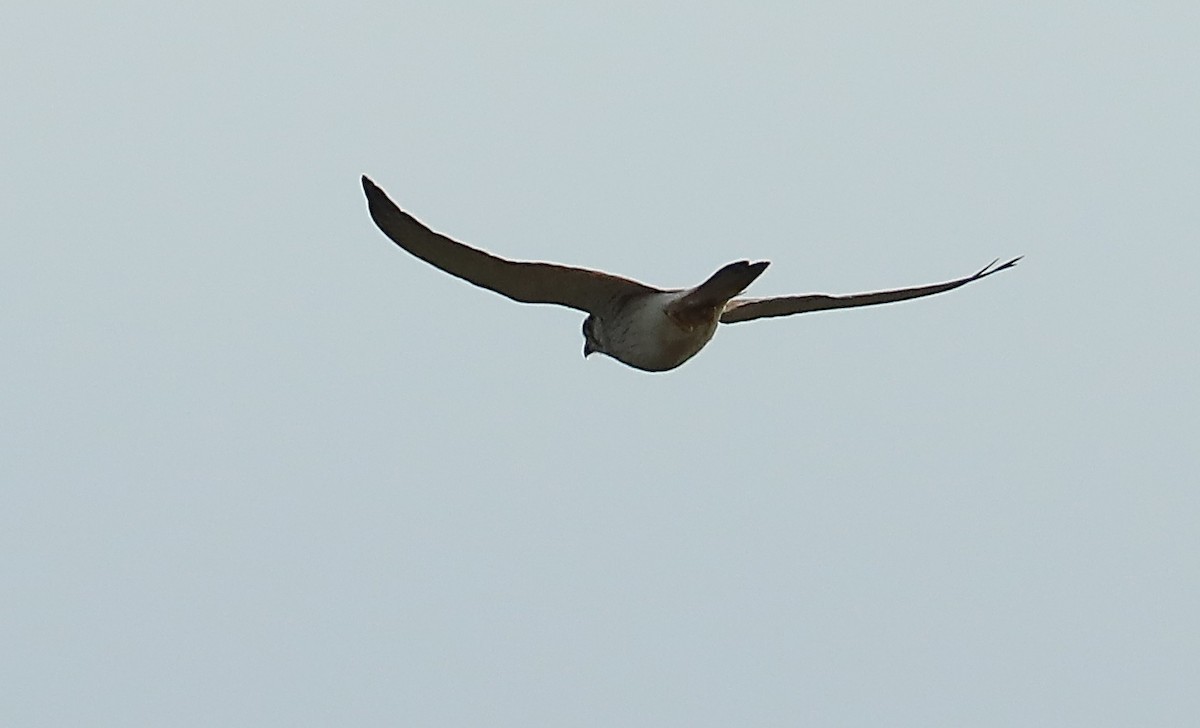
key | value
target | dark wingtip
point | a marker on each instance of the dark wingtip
(991, 268)
(377, 199)
(1009, 264)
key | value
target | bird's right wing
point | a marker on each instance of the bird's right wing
(748, 309)
(527, 282)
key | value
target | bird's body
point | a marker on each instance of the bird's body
(641, 334)
(644, 327)
(661, 330)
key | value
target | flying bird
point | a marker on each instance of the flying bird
(647, 328)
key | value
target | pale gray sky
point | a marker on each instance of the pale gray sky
(261, 468)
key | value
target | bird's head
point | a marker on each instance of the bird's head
(591, 341)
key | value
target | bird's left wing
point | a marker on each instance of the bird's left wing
(748, 309)
(527, 282)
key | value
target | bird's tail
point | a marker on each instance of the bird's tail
(723, 285)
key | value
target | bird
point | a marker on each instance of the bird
(647, 328)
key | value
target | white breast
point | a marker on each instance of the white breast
(643, 336)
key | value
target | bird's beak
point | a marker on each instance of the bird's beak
(587, 349)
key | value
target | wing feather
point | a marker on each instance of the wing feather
(748, 309)
(527, 282)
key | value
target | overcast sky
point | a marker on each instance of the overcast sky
(262, 468)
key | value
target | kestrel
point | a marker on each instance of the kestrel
(644, 327)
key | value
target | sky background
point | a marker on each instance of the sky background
(259, 467)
